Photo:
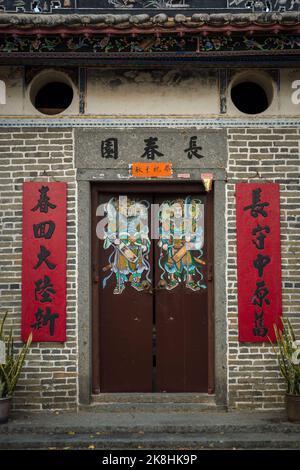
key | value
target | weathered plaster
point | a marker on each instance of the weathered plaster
(288, 94)
(152, 92)
(188, 93)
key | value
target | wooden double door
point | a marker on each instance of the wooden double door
(152, 288)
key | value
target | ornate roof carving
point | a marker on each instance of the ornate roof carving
(197, 21)
(171, 6)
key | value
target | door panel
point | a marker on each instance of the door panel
(181, 301)
(151, 326)
(126, 308)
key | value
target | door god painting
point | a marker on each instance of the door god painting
(127, 235)
(181, 239)
(178, 234)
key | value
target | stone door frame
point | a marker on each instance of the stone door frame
(84, 179)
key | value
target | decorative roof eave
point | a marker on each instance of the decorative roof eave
(227, 23)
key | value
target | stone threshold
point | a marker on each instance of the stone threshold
(154, 398)
(152, 402)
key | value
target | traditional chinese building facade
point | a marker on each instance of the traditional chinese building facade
(157, 116)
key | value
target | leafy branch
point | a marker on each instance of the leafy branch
(287, 353)
(10, 371)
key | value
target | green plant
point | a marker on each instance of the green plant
(288, 356)
(11, 369)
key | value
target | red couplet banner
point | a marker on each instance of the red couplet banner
(44, 261)
(258, 261)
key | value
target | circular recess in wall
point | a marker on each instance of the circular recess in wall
(51, 92)
(252, 93)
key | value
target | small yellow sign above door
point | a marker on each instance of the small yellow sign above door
(151, 170)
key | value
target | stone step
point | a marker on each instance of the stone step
(134, 424)
(152, 403)
(153, 398)
(84, 430)
(152, 441)
(150, 407)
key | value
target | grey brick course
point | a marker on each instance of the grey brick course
(258, 373)
(40, 153)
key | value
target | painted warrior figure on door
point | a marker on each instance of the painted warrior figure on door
(127, 232)
(181, 239)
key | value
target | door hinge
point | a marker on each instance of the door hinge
(209, 272)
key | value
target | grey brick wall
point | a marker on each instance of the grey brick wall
(263, 155)
(49, 380)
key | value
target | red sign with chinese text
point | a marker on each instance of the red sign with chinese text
(258, 261)
(44, 261)
(151, 170)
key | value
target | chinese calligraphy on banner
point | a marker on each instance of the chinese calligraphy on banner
(258, 261)
(44, 261)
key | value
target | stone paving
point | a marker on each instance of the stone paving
(141, 430)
